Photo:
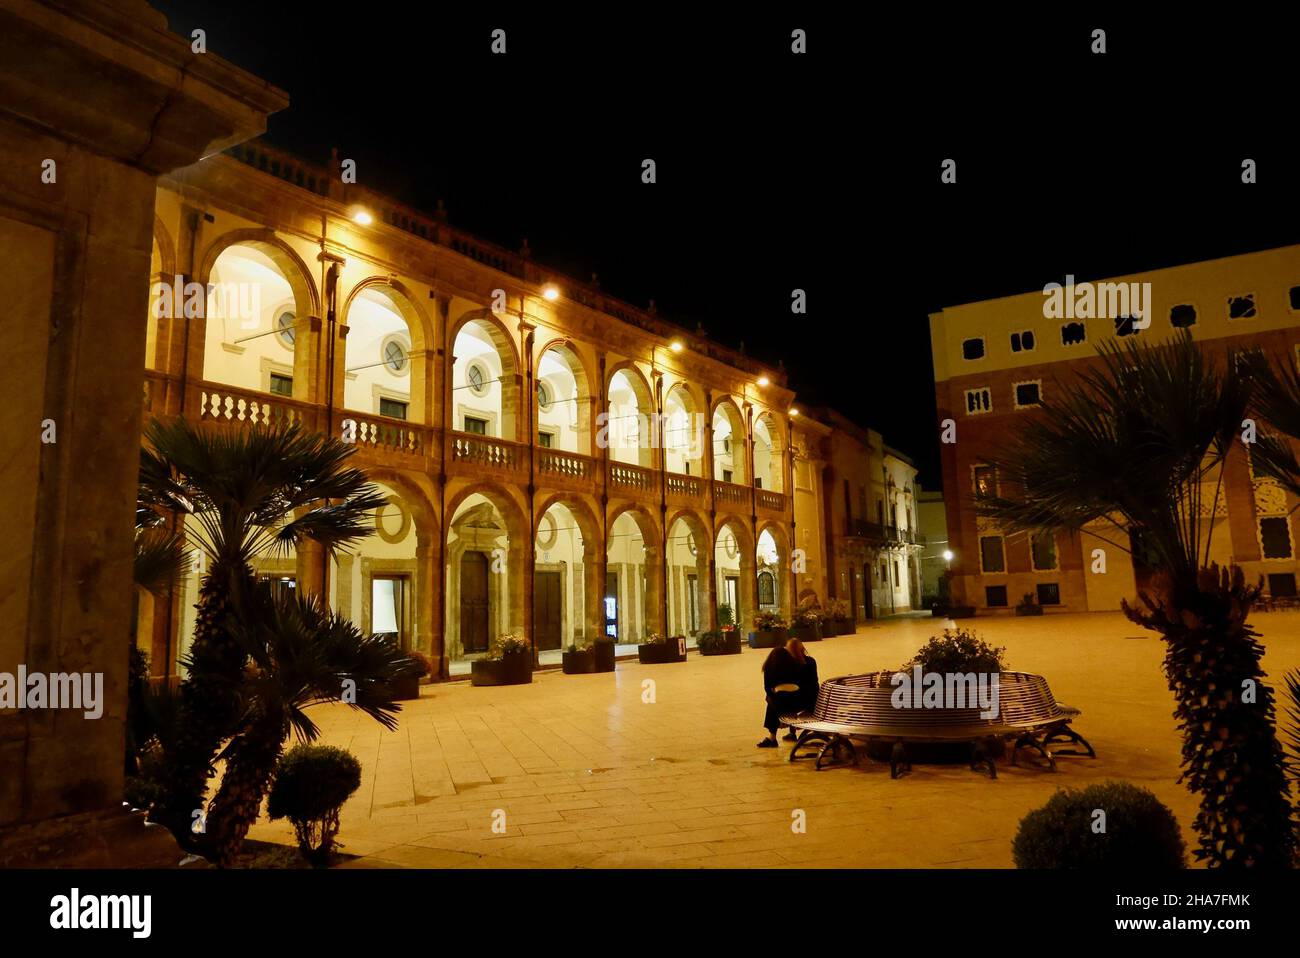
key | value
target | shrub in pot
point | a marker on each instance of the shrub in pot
(719, 643)
(408, 686)
(602, 651)
(958, 651)
(508, 662)
(578, 661)
(1140, 832)
(807, 625)
(658, 649)
(769, 631)
(1028, 606)
(311, 784)
(839, 618)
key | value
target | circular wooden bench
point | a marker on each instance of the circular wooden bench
(859, 708)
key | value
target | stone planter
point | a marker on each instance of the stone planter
(845, 627)
(578, 662)
(730, 646)
(514, 669)
(1029, 610)
(603, 655)
(658, 653)
(807, 633)
(406, 688)
(768, 638)
(960, 612)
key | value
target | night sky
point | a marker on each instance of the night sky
(777, 172)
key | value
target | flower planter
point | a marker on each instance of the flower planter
(578, 662)
(603, 655)
(767, 638)
(658, 653)
(730, 645)
(807, 633)
(406, 688)
(846, 626)
(960, 612)
(1029, 610)
(516, 669)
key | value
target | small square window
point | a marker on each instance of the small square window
(1281, 585)
(393, 408)
(726, 475)
(1181, 317)
(978, 401)
(986, 480)
(476, 426)
(973, 348)
(991, 557)
(1028, 394)
(281, 385)
(1022, 341)
(995, 596)
(1294, 296)
(1073, 333)
(1049, 593)
(1042, 550)
(1275, 537)
(1124, 325)
(1241, 307)
(545, 440)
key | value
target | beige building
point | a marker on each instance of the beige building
(994, 361)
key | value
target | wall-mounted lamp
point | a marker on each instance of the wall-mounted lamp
(550, 292)
(362, 218)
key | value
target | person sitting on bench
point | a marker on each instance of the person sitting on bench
(781, 675)
(807, 682)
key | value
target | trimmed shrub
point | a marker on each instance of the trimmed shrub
(311, 785)
(1140, 832)
(958, 650)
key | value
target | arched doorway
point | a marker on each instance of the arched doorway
(629, 426)
(484, 381)
(734, 565)
(485, 565)
(729, 461)
(690, 592)
(563, 401)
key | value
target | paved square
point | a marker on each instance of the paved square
(589, 775)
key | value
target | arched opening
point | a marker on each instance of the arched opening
(768, 456)
(683, 432)
(632, 580)
(734, 565)
(770, 583)
(728, 444)
(253, 323)
(484, 568)
(690, 593)
(629, 427)
(563, 411)
(567, 587)
(484, 381)
(379, 582)
(384, 362)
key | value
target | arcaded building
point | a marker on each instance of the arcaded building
(996, 361)
(558, 464)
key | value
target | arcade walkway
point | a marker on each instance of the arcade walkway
(589, 775)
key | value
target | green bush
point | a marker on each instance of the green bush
(958, 650)
(311, 785)
(1140, 832)
(710, 641)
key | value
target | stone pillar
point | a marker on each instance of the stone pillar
(97, 100)
(653, 606)
(593, 591)
(428, 601)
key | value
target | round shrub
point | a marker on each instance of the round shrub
(311, 785)
(1140, 832)
(958, 650)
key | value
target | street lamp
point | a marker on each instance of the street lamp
(550, 292)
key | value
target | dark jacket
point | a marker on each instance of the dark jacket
(783, 670)
(808, 683)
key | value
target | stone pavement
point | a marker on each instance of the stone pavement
(589, 775)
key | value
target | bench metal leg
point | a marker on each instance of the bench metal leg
(1064, 733)
(806, 738)
(898, 761)
(836, 746)
(1028, 741)
(982, 755)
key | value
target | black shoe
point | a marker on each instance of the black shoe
(767, 743)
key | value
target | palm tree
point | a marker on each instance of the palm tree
(245, 493)
(300, 654)
(1134, 449)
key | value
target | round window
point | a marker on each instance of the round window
(543, 397)
(478, 379)
(395, 357)
(690, 544)
(284, 329)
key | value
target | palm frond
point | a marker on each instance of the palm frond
(162, 560)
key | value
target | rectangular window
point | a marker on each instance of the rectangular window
(1182, 316)
(978, 401)
(1275, 537)
(995, 596)
(898, 572)
(991, 557)
(477, 426)
(973, 348)
(758, 482)
(1281, 585)
(1022, 341)
(1028, 394)
(1241, 307)
(1042, 550)
(1072, 334)
(1293, 296)
(726, 475)
(986, 481)
(1049, 593)
(393, 408)
(545, 440)
(1124, 326)
(281, 385)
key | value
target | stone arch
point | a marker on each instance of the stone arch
(781, 570)
(684, 410)
(584, 400)
(498, 332)
(418, 326)
(771, 472)
(499, 594)
(691, 608)
(291, 265)
(733, 456)
(652, 599)
(159, 353)
(593, 559)
(740, 593)
(620, 434)
(166, 247)
(510, 378)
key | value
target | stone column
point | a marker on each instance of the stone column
(97, 100)
(593, 591)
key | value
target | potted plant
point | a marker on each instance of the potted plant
(508, 662)
(658, 649)
(1028, 606)
(407, 687)
(602, 651)
(839, 619)
(578, 661)
(726, 618)
(807, 625)
(719, 643)
(769, 631)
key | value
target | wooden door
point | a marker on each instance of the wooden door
(474, 602)
(546, 609)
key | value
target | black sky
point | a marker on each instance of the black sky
(778, 172)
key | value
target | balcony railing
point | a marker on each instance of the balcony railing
(770, 501)
(486, 452)
(226, 404)
(381, 432)
(630, 477)
(688, 488)
(564, 465)
(863, 529)
(730, 493)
